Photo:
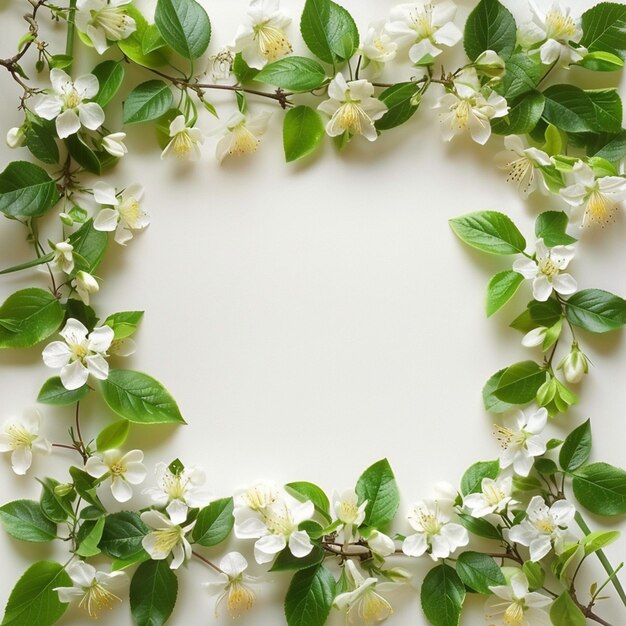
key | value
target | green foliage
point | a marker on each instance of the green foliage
(576, 448)
(26, 190)
(86, 487)
(524, 114)
(293, 73)
(550, 226)
(520, 383)
(153, 593)
(489, 231)
(523, 74)
(124, 324)
(479, 572)
(147, 101)
(40, 139)
(110, 76)
(133, 46)
(184, 25)
(53, 392)
(473, 477)
(377, 485)
(83, 154)
(490, 401)
(601, 488)
(564, 612)
(57, 508)
(596, 311)
(442, 596)
(604, 29)
(502, 287)
(480, 527)
(122, 535)
(402, 102)
(310, 597)
(214, 523)
(303, 132)
(88, 545)
(89, 247)
(24, 520)
(113, 436)
(304, 491)
(286, 562)
(490, 26)
(599, 540)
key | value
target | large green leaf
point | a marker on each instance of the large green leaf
(520, 382)
(576, 448)
(110, 75)
(147, 101)
(523, 73)
(479, 572)
(596, 311)
(26, 190)
(442, 596)
(490, 26)
(489, 231)
(502, 287)
(564, 612)
(89, 247)
(214, 523)
(24, 520)
(402, 103)
(122, 535)
(524, 115)
(293, 73)
(310, 597)
(185, 26)
(377, 485)
(303, 132)
(601, 488)
(473, 477)
(153, 592)
(604, 28)
(40, 139)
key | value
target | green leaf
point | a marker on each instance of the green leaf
(329, 31)
(40, 139)
(285, 561)
(113, 436)
(124, 324)
(310, 597)
(214, 523)
(147, 101)
(480, 527)
(546, 313)
(293, 73)
(24, 520)
(502, 287)
(184, 25)
(133, 46)
(599, 540)
(56, 508)
(83, 154)
(601, 488)
(34, 599)
(490, 401)
(601, 62)
(86, 487)
(28, 317)
(152, 40)
(609, 146)
(551, 226)
(139, 398)
(442, 596)
(304, 491)
(523, 73)
(377, 485)
(576, 448)
(535, 574)
(26, 190)
(53, 392)
(489, 231)
(520, 382)
(89, 544)
(596, 311)
(604, 28)
(524, 115)
(122, 535)
(83, 313)
(303, 132)
(90, 245)
(473, 477)
(243, 72)
(153, 592)
(401, 105)
(564, 612)
(479, 572)
(110, 75)
(490, 26)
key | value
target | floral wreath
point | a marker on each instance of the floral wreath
(523, 513)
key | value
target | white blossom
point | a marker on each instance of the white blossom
(352, 108)
(185, 141)
(114, 144)
(425, 27)
(95, 591)
(520, 439)
(494, 497)
(377, 48)
(20, 437)
(15, 137)
(123, 212)
(241, 135)
(220, 65)
(103, 21)
(521, 163)
(85, 285)
(63, 259)
(535, 337)
(514, 605)
(546, 270)
(263, 39)
(168, 536)
(81, 354)
(67, 104)
(597, 199)
(348, 513)
(544, 527)
(124, 470)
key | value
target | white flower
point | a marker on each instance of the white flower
(232, 585)
(124, 470)
(574, 365)
(352, 108)
(554, 30)
(381, 544)
(16, 137)
(68, 104)
(263, 38)
(82, 354)
(348, 513)
(435, 533)
(535, 337)
(241, 135)
(494, 497)
(186, 487)
(378, 48)
(63, 257)
(114, 144)
(103, 21)
(520, 440)
(85, 285)
(466, 109)
(123, 347)
(425, 26)
(520, 164)
(363, 604)
(94, 591)
(273, 520)
(543, 527)
(546, 271)
(123, 213)
(596, 198)
(20, 437)
(514, 605)
(168, 536)
(184, 142)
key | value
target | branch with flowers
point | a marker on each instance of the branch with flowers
(513, 530)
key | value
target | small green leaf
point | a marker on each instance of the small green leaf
(502, 287)
(599, 540)
(133, 46)
(490, 26)
(520, 382)
(551, 226)
(113, 436)
(601, 488)
(480, 527)
(124, 324)
(153, 592)
(83, 154)
(285, 561)
(86, 487)
(303, 132)
(90, 245)
(479, 572)
(26, 190)
(214, 523)
(122, 535)
(378, 486)
(310, 597)
(110, 75)
(40, 139)
(293, 73)
(489, 231)
(596, 311)
(523, 73)
(243, 72)
(53, 392)
(185, 26)
(601, 62)
(24, 520)
(473, 477)
(147, 101)
(442, 596)
(524, 115)
(401, 104)
(535, 575)
(564, 612)
(57, 508)
(89, 545)
(576, 448)
(304, 491)
(490, 401)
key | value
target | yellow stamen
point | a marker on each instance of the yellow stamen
(272, 42)
(560, 26)
(240, 599)
(98, 599)
(514, 615)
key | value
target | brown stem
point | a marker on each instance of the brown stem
(207, 562)
(11, 62)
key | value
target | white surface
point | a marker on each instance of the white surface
(312, 319)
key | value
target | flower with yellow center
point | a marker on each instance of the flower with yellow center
(546, 270)
(63, 257)
(94, 591)
(543, 527)
(378, 48)
(169, 535)
(184, 140)
(521, 163)
(123, 212)
(494, 497)
(263, 39)
(597, 199)
(20, 437)
(349, 514)
(352, 108)
(241, 135)
(124, 470)
(515, 605)
(233, 585)
(103, 21)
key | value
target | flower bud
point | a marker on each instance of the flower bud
(490, 64)
(575, 365)
(85, 284)
(114, 144)
(66, 219)
(63, 489)
(15, 137)
(398, 575)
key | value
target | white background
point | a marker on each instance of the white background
(311, 319)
